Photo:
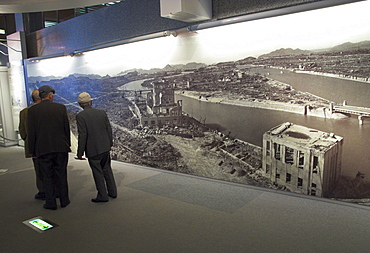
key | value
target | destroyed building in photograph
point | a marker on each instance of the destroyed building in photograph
(162, 106)
(303, 160)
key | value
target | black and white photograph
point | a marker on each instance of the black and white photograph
(185, 126)
(281, 103)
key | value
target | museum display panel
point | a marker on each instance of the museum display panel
(280, 102)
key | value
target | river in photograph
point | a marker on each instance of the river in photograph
(249, 124)
(354, 92)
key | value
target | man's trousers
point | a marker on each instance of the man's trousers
(103, 176)
(54, 172)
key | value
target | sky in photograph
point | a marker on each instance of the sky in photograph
(317, 29)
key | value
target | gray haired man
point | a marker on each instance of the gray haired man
(95, 140)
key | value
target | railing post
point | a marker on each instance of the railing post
(360, 119)
(331, 108)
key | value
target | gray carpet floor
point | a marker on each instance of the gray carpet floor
(160, 211)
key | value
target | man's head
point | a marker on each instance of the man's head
(84, 99)
(46, 92)
(35, 96)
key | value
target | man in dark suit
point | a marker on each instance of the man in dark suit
(95, 140)
(49, 141)
(23, 132)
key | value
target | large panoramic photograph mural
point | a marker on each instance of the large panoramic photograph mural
(281, 103)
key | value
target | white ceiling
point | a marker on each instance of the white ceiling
(23, 6)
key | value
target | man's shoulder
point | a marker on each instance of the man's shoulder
(91, 113)
(86, 111)
(32, 107)
(80, 114)
(46, 105)
(57, 104)
(92, 110)
(24, 110)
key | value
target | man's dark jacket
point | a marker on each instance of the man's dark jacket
(94, 132)
(48, 128)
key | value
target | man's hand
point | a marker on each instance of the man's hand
(80, 158)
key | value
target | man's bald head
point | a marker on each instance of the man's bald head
(36, 96)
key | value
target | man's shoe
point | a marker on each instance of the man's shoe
(112, 196)
(98, 200)
(65, 204)
(50, 207)
(40, 196)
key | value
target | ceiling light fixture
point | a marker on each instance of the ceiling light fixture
(271, 13)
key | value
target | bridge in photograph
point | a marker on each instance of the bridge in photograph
(361, 112)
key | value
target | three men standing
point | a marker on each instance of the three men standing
(49, 141)
(95, 140)
(48, 138)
